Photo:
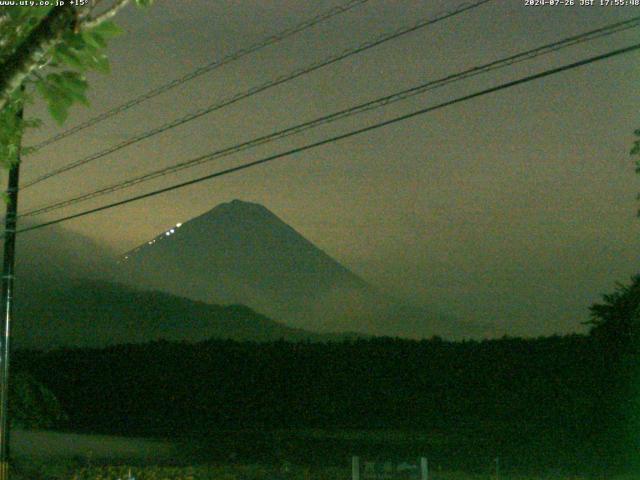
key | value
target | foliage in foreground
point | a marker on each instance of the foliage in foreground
(537, 403)
(32, 405)
(207, 472)
(47, 50)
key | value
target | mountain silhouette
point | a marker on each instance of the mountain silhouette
(66, 295)
(242, 253)
(86, 313)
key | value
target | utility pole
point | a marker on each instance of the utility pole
(8, 276)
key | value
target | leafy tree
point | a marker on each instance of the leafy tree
(635, 151)
(46, 51)
(616, 334)
(617, 319)
(32, 405)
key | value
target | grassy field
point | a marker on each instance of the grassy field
(73, 471)
(46, 445)
(250, 455)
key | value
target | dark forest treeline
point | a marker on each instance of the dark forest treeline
(544, 400)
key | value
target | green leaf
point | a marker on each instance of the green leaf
(75, 83)
(106, 30)
(144, 3)
(74, 41)
(66, 55)
(44, 90)
(75, 79)
(59, 97)
(57, 90)
(59, 112)
(95, 39)
(101, 63)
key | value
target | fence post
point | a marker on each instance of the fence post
(355, 468)
(424, 468)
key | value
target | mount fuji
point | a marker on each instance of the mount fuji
(242, 253)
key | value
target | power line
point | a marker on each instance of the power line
(373, 104)
(343, 136)
(238, 54)
(257, 89)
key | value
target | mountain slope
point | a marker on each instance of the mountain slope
(241, 252)
(65, 296)
(97, 313)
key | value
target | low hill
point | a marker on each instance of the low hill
(96, 313)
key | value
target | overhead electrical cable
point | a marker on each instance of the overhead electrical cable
(373, 104)
(255, 90)
(231, 57)
(343, 136)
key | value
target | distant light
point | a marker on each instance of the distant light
(172, 231)
(168, 233)
(178, 225)
(126, 257)
(150, 243)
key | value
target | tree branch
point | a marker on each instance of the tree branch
(19, 65)
(106, 15)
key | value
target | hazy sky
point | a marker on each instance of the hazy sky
(516, 208)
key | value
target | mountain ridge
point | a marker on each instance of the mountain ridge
(241, 252)
(95, 313)
(67, 294)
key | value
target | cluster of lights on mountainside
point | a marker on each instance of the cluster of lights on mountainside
(168, 233)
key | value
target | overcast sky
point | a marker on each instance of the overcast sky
(517, 208)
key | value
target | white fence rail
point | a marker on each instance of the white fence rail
(388, 470)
